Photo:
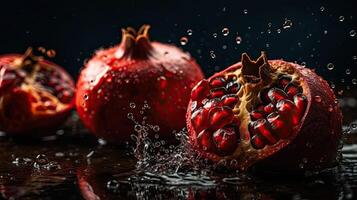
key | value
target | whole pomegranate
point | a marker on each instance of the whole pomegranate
(136, 82)
(35, 94)
(273, 113)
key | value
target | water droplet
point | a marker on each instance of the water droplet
(330, 66)
(212, 54)
(268, 31)
(348, 71)
(137, 128)
(238, 40)
(354, 57)
(130, 116)
(156, 128)
(41, 159)
(278, 30)
(215, 35)
(224, 47)
(341, 18)
(267, 45)
(225, 31)
(51, 53)
(162, 82)
(353, 126)
(354, 81)
(325, 32)
(322, 8)
(132, 105)
(245, 11)
(86, 97)
(189, 32)
(340, 92)
(287, 24)
(112, 185)
(183, 41)
(317, 98)
(352, 33)
(330, 108)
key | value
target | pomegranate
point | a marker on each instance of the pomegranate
(35, 94)
(116, 82)
(273, 113)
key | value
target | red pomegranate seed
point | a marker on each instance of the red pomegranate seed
(218, 92)
(204, 139)
(233, 87)
(287, 108)
(211, 103)
(300, 102)
(279, 125)
(283, 81)
(292, 89)
(220, 116)
(200, 91)
(257, 142)
(230, 100)
(260, 107)
(276, 94)
(199, 119)
(256, 114)
(217, 82)
(225, 140)
(262, 128)
(269, 108)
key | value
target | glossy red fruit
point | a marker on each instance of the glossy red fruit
(156, 77)
(284, 114)
(35, 94)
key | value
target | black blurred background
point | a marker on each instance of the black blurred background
(318, 34)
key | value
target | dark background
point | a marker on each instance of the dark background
(76, 29)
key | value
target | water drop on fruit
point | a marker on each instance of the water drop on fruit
(341, 18)
(354, 81)
(317, 99)
(278, 30)
(348, 71)
(132, 105)
(245, 11)
(352, 33)
(189, 32)
(112, 185)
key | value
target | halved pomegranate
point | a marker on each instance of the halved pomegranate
(34, 93)
(274, 113)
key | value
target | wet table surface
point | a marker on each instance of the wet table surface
(71, 164)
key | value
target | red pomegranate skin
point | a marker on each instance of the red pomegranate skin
(316, 140)
(18, 113)
(154, 76)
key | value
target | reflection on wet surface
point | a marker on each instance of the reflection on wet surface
(74, 165)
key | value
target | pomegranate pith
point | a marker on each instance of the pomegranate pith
(35, 94)
(272, 118)
(151, 75)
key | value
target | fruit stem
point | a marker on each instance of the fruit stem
(136, 44)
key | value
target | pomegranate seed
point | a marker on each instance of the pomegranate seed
(230, 100)
(256, 114)
(205, 140)
(257, 142)
(262, 128)
(269, 108)
(217, 82)
(287, 109)
(260, 107)
(251, 127)
(225, 140)
(211, 103)
(292, 89)
(236, 122)
(199, 119)
(276, 94)
(279, 125)
(200, 91)
(300, 102)
(233, 87)
(218, 92)
(220, 116)
(283, 81)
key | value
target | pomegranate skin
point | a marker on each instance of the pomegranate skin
(17, 114)
(133, 82)
(315, 141)
(318, 142)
